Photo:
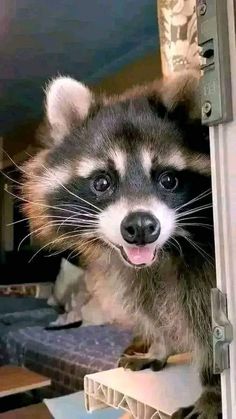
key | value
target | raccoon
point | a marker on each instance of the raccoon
(126, 182)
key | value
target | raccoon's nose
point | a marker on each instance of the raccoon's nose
(140, 228)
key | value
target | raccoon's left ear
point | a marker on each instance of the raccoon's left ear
(67, 103)
(180, 95)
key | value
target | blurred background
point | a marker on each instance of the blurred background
(110, 45)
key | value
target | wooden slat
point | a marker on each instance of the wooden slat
(14, 379)
(37, 411)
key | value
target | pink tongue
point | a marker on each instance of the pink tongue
(140, 255)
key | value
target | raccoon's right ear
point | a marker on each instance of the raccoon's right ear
(67, 103)
(180, 95)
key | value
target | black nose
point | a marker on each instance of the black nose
(140, 228)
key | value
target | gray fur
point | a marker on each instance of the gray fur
(169, 301)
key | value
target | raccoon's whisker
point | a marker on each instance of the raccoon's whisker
(14, 163)
(83, 208)
(80, 207)
(81, 246)
(47, 206)
(77, 252)
(177, 245)
(79, 197)
(74, 222)
(197, 198)
(47, 225)
(28, 235)
(89, 241)
(81, 225)
(210, 226)
(80, 229)
(191, 218)
(194, 210)
(38, 217)
(33, 232)
(201, 251)
(85, 214)
(78, 223)
(16, 166)
(208, 205)
(70, 219)
(40, 250)
(70, 192)
(70, 223)
(44, 216)
(74, 217)
(58, 252)
(19, 221)
(55, 241)
(82, 233)
(12, 180)
(37, 203)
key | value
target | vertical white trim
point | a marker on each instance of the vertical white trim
(223, 156)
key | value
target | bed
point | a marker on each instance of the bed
(63, 355)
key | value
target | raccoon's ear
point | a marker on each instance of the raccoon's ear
(67, 103)
(180, 95)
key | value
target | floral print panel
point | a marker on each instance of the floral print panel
(178, 35)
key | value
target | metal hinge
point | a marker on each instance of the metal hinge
(213, 40)
(222, 331)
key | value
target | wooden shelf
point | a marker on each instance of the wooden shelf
(14, 379)
(38, 411)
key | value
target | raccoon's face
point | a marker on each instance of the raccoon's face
(122, 173)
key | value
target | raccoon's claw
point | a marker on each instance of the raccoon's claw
(208, 406)
(139, 362)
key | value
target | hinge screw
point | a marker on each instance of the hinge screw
(202, 8)
(206, 109)
(218, 333)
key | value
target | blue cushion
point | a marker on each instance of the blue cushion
(18, 304)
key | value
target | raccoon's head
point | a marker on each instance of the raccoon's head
(129, 172)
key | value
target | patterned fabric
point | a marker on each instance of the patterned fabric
(42, 290)
(66, 355)
(19, 290)
(178, 35)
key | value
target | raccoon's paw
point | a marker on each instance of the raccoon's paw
(140, 362)
(208, 406)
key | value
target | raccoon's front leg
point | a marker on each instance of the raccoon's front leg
(140, 355)
(208, 406)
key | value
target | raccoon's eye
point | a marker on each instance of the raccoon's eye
(101, 183)
(168, 181)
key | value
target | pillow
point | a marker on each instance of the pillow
(67, 282)
(84, 300)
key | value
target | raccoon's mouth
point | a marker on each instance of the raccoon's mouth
(139, 256)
